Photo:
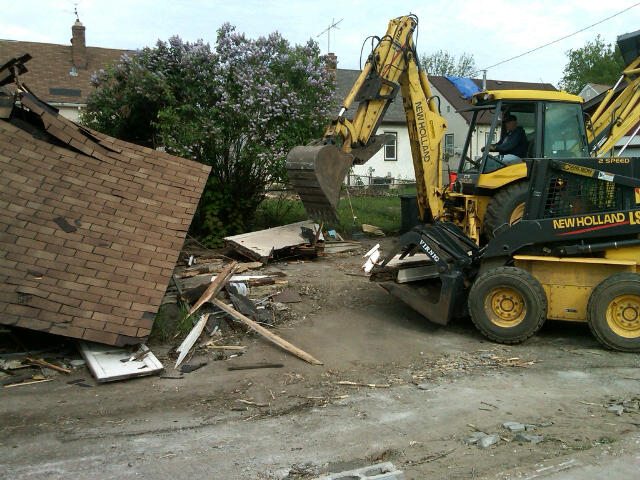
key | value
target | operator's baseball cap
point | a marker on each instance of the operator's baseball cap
(509, 118)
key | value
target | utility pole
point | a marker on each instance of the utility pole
(327, 30)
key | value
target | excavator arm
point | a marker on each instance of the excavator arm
(619, 111)
(316, 171)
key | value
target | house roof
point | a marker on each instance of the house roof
(457, 101)
(48, 76)
(90, 226)
(598, 87)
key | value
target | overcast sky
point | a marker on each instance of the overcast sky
(491, 30)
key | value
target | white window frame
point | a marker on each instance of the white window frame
(449, 149)
(394, 144)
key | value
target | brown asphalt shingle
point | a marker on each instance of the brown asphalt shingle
(90, 227)
(50, 67)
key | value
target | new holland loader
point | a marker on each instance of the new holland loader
(555, 234)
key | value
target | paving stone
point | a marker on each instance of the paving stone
(488, 440)
(528, 438)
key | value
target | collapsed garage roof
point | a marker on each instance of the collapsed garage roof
(90, 226)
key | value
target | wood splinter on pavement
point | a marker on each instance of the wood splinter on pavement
(357, 384)
(266, 333)
(44, 363)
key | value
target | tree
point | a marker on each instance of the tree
(239, 107)
(596, 62)
(443, 63)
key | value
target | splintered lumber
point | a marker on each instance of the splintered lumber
(44, 363)
(28, 383)
(190, 339)
(213, 289)
(266, 333)
(256, 365)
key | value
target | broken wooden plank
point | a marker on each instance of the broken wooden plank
(256, 365)
(269, 335)
(28, 383)
(190, 339)
(262, 244)
(216, 285)
(43, 363)
(105, 364)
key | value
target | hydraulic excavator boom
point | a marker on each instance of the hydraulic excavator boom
(619, 111)
(317, 171)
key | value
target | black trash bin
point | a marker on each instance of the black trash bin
(410, 216)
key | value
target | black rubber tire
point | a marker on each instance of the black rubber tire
(527, 285)
(601, 296)
(502, 205)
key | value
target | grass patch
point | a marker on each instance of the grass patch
(381, 209)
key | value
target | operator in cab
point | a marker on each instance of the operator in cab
(513, 144)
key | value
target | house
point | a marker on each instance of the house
(60, 74)
(591, 90)
(394, 159)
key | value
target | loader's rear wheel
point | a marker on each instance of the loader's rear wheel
(507, 305)
(506, 207)
(613, 312)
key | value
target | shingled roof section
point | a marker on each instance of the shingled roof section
(49, 70)
(90, 227)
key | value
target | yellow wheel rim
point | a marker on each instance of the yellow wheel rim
(517, 214)
(505, 307)
(623, 316)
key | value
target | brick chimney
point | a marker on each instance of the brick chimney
(332, 62)
(78, 46)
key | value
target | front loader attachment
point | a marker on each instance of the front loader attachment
(440, 294)
(316, 173)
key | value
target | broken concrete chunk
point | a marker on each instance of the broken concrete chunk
(488, 440)
(380, 471)
(630, 404)
(475, 438)
(528, 438)
(77, 363)
(514, 426)
(617, 409)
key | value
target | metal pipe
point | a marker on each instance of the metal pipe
(635, 132)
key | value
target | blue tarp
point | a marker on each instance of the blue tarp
(465, 86)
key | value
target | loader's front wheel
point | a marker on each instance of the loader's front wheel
(505, 208)
(613, 312)
(507, 305)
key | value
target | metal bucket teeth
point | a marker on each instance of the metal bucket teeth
(316, 173)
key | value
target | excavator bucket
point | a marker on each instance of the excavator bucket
(317, 173)
(629, 45)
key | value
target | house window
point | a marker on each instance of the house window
(391, 146)
(448, 144)
(489, 139)
(448, 108)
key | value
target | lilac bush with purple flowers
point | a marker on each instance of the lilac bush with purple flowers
(239, 106)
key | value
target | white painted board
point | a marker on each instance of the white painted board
(105, 365)
(261, 244)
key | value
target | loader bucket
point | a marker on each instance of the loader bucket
(316, 173)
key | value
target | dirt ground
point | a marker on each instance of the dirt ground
(430, 388)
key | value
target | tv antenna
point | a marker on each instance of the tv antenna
(327, 30)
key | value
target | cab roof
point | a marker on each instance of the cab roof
(553, 96)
